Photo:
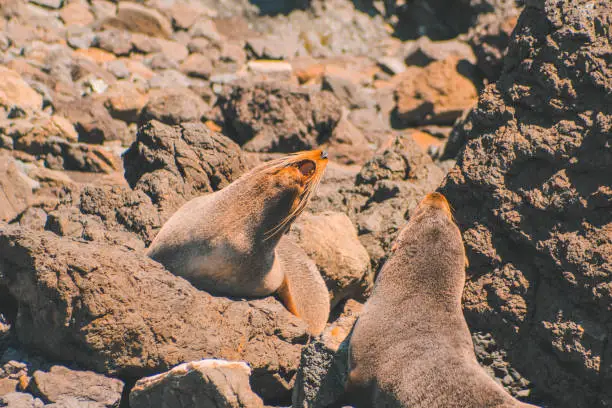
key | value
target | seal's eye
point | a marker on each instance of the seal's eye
(307, 167)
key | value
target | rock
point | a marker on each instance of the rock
(85, 386)
(424, 51)
(16, 189)
(273, 47)
(96, 55)
(92, 121)
(141, 19)
(7, 386)
(175, 51)
(124, 101)
(119, 42)
(205, 28)
(20, 400)
(264, 118)
(348, 144)
(198, 384)
(280, 70)
(14, 91)
(76, 14)
(346, 88)
(52, 4)
(330, 239)
(387, 188)
(173, 164)
(118, 312)
(174, 106)
(532, 195)
(197, 65)
(118, 68)
(436, 94)
(145, 44)
(392, 65)
(324, 363)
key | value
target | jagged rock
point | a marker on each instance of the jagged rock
(198, 384)
(87, 387)
(118, 312)
(436, 94)
(14, 91)
(532, 195)
(348, 144)
(174, 106)
(267, 119)
(173, 164)
(125, 101)
(330, 239)
(324, 363)
(15, 188)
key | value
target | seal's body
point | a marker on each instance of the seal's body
(411, 346)
(228, 242)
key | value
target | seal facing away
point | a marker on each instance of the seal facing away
(411, 346)
(232, 242)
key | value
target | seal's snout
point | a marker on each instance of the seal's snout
(324, 154)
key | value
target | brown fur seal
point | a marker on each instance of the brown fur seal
(231, 242)
(411, 346)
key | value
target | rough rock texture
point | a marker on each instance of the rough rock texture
(20, 400)
(324, 363)
(173, 164)
(15, 188)
(120, 313)
(269, 119)
(533, 195)
(198, 384)
(85, 386)
(330, 239)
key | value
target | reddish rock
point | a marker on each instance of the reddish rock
(14, 91)
(76, 14)
(15, 189)
(436, 94)
(139, 18)
(197, 65)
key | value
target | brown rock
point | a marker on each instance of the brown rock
(92, 121)
(15, 189)
(139, 18)
(173, 164)
(96, 55)
(424, 51)
(197, 65)
(330, 239)
(532, 194)
(174, 106)
(14, 91)
(118, 312)
(145, 44)
(61, 383)
(436, 94)
(198, 384)
(124, 101)
(348, 144)
(76, 14)
(173, 50)
(20, 400)
(265, 118)
(119, 42)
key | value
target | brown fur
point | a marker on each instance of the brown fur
(411, 346)
(227, 242)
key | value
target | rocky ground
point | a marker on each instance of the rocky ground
(113, 114)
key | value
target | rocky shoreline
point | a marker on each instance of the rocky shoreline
(114, 114)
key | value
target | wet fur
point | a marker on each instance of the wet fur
(411, 346)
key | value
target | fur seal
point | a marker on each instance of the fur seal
(231, 242)
(411, 346)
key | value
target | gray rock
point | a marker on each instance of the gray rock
(85, 386)
(20, 400)
(198, 384)
(119, 42)
(424, 51)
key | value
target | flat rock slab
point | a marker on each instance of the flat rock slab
(85, 386)
(120, 313)
(198, 384)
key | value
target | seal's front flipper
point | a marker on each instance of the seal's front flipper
(303, 291)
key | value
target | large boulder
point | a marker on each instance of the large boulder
(198, 384)
(173, 164)
(263, 118)
(533, 195)
(119, 313)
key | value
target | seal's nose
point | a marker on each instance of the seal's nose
(323, 154)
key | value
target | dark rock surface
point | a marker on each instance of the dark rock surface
(198, 384)
(120, 313)
(173, 164)
(532, 193)
(269, 119)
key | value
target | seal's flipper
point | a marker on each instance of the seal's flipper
(303, 291)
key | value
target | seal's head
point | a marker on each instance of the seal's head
(286, 185)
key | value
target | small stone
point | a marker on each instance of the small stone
(346, 88)
(52, 4)
(14, 91)
(143, 19)
(274, 68)
(63, 128)
(96, 55)
(118, 69)
(145, 44)
(76, 14)
(197, 65)
(80, 37)
(119, 42)
(20, 400)
(199, 45)
(174, 106)
(424, 51)
(173, 50)
(125, 102)
(207, 29)
(273, 47)
(392, 65)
